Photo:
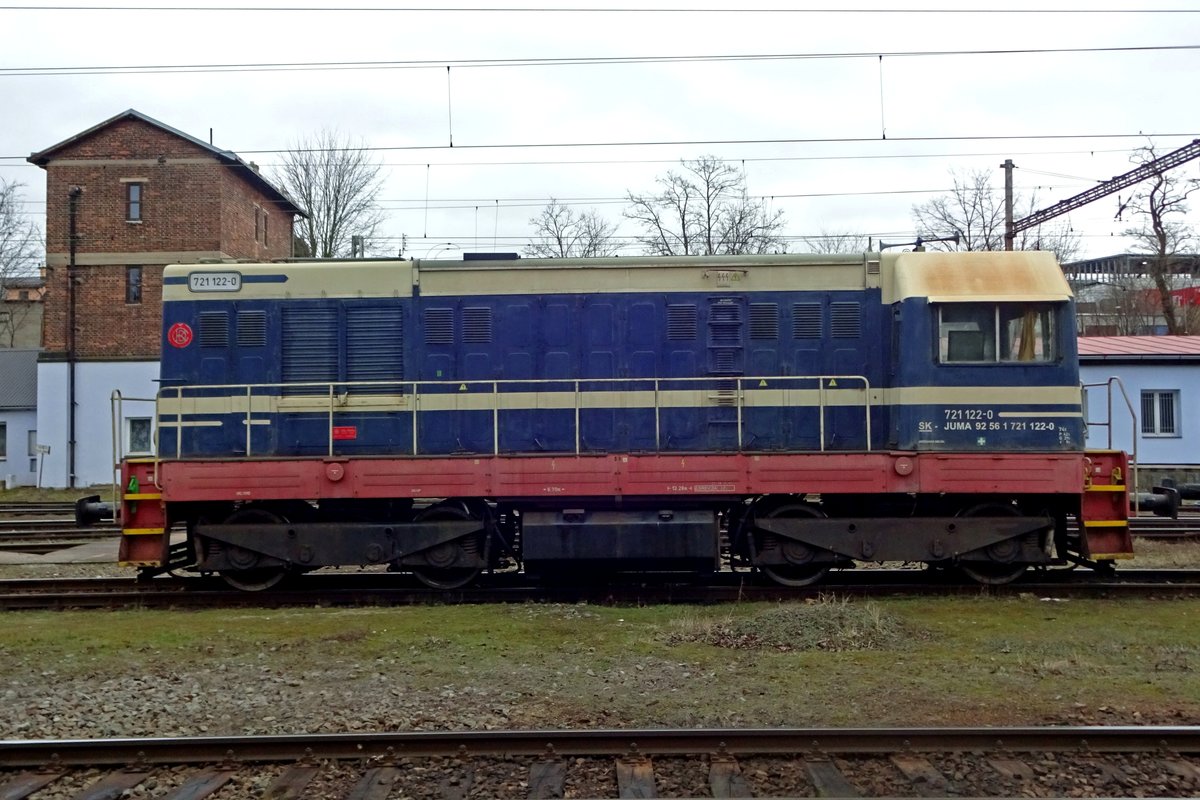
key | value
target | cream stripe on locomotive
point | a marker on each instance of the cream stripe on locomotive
(479, 400)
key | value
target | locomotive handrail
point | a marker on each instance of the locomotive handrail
(337, 393)
(1108, 423)
(117, 413)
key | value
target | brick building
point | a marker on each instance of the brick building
(140, 195)
(21, 311)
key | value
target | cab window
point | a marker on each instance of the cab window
(983, 333)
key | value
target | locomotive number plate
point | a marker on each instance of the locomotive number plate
(214, 281)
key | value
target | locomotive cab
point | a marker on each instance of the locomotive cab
(985, 360)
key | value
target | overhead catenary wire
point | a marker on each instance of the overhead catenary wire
(712, 142)
(1008, 10)
(491, 63)
(629, 161)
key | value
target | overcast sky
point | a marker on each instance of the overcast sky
(809, 132)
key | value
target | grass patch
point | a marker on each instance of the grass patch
(30, 494)
(828, 624)
(903, 661)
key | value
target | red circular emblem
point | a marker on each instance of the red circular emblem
(179, 334)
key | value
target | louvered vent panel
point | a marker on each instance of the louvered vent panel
(375, 345)
(845, 320)
(214, 329)
(310, 347)
(725, 323)
(477, 325)
(764, 321)
(439, 325)
(724, 361)
(252, 329)
(681, 323)
(806, 321)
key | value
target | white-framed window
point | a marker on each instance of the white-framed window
(3, 440)
(31, 444)
(140, 431)
(133, 202)
(1160, 412)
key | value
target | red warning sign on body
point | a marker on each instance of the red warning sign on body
(179, 334)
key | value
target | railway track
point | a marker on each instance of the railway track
(366, 589)
(37, 509)
(974, 762)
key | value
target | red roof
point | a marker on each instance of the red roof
(1138, 346)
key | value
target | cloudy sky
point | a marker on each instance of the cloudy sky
(584, 100)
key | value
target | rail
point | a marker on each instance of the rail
(497, 397)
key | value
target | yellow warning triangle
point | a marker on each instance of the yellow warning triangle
(833, 383)
(462, 387)
(762, 382)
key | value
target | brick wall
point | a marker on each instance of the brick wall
(193, 206)
(238, 201)
(106, 327)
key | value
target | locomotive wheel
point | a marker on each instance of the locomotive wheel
(1001, 569)
(800, 569)
(248, 577)
(447, 577)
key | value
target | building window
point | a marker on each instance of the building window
(133, 202)
(31, 449)
(23, 294)
(133, 285)
(3, 440)
(139, 434)
(264, 215)
(257, 223)
(1159, 417)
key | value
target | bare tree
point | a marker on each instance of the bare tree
(827, 242)
(20, 248)
(337, 183)
(1124, 305)
(1161, 237)
(561, 232)
(969, 209)
(975, 211)
(704, 210)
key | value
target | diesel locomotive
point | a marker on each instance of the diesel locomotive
(781, 414)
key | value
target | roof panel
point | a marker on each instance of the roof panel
(1139, 346)
(18, 390)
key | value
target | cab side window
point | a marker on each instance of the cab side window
(988, 333)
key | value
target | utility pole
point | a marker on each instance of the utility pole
(1009, 233)
(72, 244)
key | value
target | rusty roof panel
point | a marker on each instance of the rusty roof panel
(1021, 276)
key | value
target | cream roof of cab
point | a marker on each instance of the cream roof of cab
(998, 277)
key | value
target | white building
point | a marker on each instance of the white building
(18, 418)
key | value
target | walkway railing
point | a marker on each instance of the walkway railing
(498, 397)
